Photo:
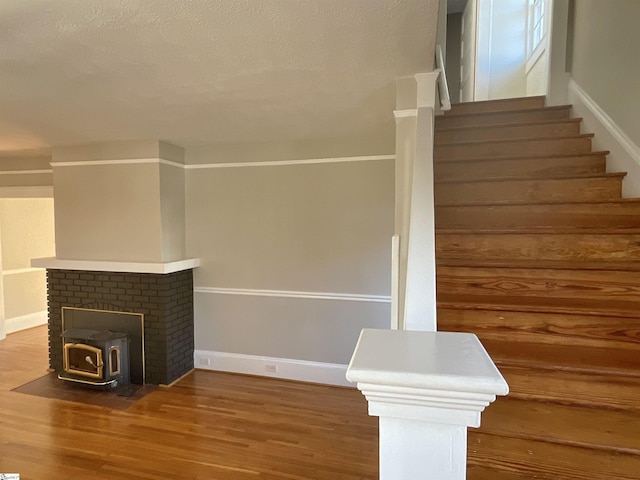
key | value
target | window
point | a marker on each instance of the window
(536, 24)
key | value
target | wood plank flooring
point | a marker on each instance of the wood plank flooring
(208, 426)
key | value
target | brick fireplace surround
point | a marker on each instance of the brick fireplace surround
(165, 300)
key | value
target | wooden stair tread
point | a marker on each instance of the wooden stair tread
(606, 265)
(615, 308)
(514, 140)
(529, 179)
(502, 117)
(497, 105)
(541, 190)
(552, 328)
(510, 124)
(506, 158)
(514, 130)
(548, 461)
(476, 472)
(606, 215)
(609, 361)
(616, 431)
(540, 230)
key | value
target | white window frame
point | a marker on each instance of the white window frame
(537, 28)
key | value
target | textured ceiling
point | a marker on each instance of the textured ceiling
(205, 71)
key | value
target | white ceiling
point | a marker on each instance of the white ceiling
(205, 71)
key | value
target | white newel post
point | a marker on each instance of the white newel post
(427, 388)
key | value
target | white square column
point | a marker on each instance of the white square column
(427, 388)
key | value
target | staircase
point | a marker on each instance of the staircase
(539, 255)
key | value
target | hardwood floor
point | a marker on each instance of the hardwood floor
(208, 426)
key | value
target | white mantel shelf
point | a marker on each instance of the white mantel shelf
(427, 388)
(105, 266)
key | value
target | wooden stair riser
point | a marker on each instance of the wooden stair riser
(559, 190)
(547, 328)
(501, 105)
(502, 118)
(572, 388)
(611, 215)
(553, 146)
(592, 285)
(536, 167)
(610, 430)
(537, 246)
(547, 461)
(566, 128)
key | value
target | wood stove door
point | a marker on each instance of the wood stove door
(82, 359)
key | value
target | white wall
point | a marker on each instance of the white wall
(26, 231)
(501, 49)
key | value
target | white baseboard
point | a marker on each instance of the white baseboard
(285, 368)
(23, 322)
(625, 154)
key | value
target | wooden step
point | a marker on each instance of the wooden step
(501, 105)
(476, 472)
(532, 167)
(544, 129)
(530, 245)
(587, 427)
(607, 292)
(619, 214)
(549, 328)
(579, 188)
(449, 120)
(547, 461)
(567, 374)
(567, 387)
(503, 148)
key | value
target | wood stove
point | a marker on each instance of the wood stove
(98, 358)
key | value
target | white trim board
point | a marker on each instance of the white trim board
(26, 192)
(625, 154)
(126, 161)
(15, 324)
(24, 172)
(284, 368)
(280, 163)
(107, 266)
(294, 294)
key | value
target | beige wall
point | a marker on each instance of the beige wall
(317, 228)
(26, 232)
(120, 201)
(605, 58)
(108, 212)
(172, 212)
